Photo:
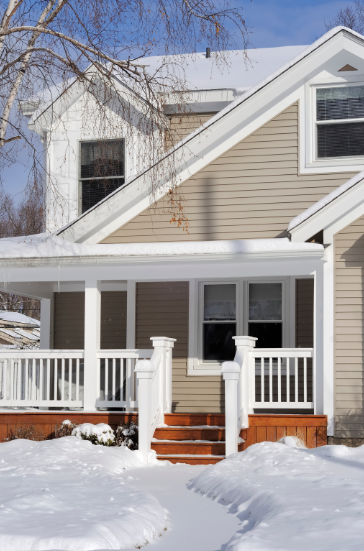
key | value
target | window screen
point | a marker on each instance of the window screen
(102, 170)
(335, 107)
(265, 314)
(219, 322)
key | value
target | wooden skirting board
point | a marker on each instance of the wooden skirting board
(312, 429)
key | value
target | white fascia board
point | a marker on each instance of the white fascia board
(167, 270)
(339, 213)
(217, 136)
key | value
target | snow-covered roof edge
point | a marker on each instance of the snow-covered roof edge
(325, 201)
(233, 105)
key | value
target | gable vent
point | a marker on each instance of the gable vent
(347, 68)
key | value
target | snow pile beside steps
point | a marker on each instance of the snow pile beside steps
(69, 494)
(291, 498)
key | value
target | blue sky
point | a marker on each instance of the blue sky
(272, 22)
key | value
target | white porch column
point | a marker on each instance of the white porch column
(130, 313)
(318, 342)
(92, 342)
(46, 323)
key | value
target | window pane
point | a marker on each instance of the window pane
(99, 159)
(94, 191)
(340, 103)
(340, 140)
(269, 334)
(218, 344)
(219, 302)
(265, 301)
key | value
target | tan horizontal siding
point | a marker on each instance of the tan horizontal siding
(304, 313)
(182, 125)
(349, 318)
(162, 310)
(252, 191)
(69, 320)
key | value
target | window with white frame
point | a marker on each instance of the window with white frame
(340, 121)
(102, 170)
(265, 320)
(218, 322)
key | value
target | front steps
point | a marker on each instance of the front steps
(192, 438)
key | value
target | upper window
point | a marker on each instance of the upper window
(340, 121)
(265, 314)
(219, 322)
(102, 170)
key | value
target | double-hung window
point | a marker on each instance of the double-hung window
(102, 170)
(340, 121)
(219, 322)
(265, 314)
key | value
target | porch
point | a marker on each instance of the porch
(91, 363)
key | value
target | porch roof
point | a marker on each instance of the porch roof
(50, 247)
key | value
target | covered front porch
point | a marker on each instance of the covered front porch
(156, 324)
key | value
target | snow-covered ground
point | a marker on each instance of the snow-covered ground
(290, 498)
(69, 494)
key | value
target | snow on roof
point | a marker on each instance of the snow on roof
(16, 317)
(50, 246)
(204, 74)
(29, 336)
(10, 333)
(325, 201)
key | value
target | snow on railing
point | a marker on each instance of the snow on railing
(264, 378)
(116, 377)
(48, 378)
(154, 391)
(282, 378)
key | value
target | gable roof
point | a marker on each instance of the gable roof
(220, 133)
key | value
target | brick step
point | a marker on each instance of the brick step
(190, 433)
(194, 419)
(192, 459)
(174, 447)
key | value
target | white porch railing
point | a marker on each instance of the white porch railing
(47, 378)
(264, 378)
(116, 377)
(154, 391)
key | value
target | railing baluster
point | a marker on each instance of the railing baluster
(262, 379)
(270, 380)
(122, 369)
(26, 379)
(41, 379)
(128, 396)
(48, 379)
(5, 381)
(62, 380)
(69, 379)
(296, 379)
(253, 380)
(288, 382)
(20, 371)
(305, 380)
(34, 389)
(12, 379)
(55, 379)
(77, 379)
(106, 380)
(279, 380)
(113, 378)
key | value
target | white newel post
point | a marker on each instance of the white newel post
(92, 342)
(238, 399)
(244, 346)
(167, 345)
(144, 370)
(231, 373)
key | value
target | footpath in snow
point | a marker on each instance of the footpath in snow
(289, 498)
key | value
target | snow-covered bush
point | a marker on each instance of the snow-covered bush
(26, 432)
(101, 434)
(127, 435)
(66, 428)
(292, 442)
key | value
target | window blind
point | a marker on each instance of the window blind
(340, 103)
